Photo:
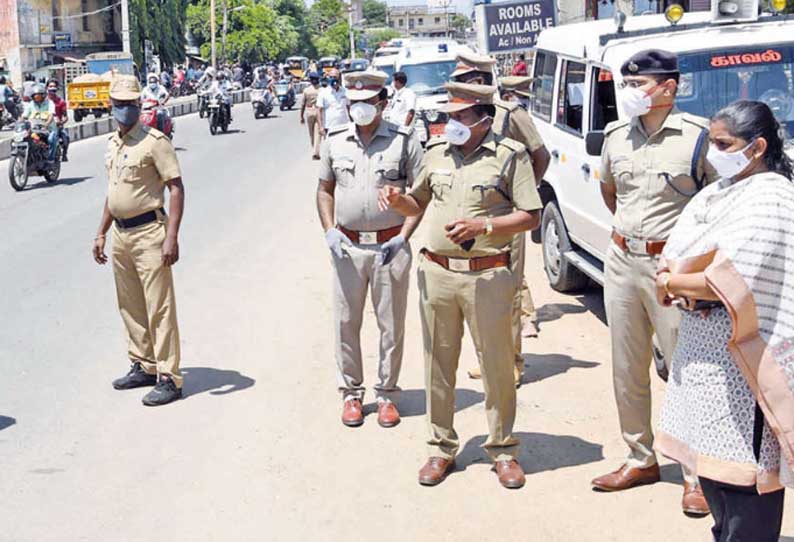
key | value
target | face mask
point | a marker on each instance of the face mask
(126, 114)
(458, 133)
(332, 82)
(153, 86)
(728, 164)
(362, 113)
(634, 102)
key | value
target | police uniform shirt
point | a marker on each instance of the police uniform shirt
(138, 165)
(511, 120)
(360, 172)
(310, 97)
(637, 164)
(493, 181)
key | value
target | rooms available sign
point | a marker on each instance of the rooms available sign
(512, 26)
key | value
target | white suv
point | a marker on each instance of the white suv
(574, 98)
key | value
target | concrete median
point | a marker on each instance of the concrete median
(105, 125)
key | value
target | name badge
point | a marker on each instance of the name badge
(368, 238)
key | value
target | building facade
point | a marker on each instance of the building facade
(419, 21)
(37, 33)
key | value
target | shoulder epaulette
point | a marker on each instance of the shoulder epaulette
(510, 106)
(700, 122)
(435, 140)
(511, 144)
(614, 125)
(337, 129)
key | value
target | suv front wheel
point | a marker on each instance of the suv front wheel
(563, 276)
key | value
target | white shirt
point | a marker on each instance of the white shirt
(160, 94)
(334, 106)
(401, 103)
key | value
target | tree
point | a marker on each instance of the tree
(374, 12)
(162, 22)
(376, 36)
(328, 22)
(459, 23)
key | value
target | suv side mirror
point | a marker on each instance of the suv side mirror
(594, 142)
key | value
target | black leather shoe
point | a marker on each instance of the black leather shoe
(164, 392)
(136, 378)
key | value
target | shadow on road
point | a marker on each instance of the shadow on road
(554, 311)
(412, 402)
(215, 381)
(539, 367)
(69, 181)
(227, 132)
(6, 422)
(671, 474)
(593, 301)
(180, 149)
(539, 452)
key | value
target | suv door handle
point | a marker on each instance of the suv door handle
(586, 169)
(555, 154)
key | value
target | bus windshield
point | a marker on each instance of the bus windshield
(388, 69)
(429, 78)
(712, 79)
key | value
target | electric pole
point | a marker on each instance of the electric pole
(212, 32)
(125, 26)
(352, 34)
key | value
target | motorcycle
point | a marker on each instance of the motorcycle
(262, 102)
(6, 118)
(217, 114)
(148, 117)
(30, 155)
(203, 102)
(285, 94)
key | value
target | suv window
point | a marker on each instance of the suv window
(543, 84)
(570, 104)
(604, 109)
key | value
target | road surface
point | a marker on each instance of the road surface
(256, 451)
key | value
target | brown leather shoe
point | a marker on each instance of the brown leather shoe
(693, 502)
(475, 374)
(352, 413)
(627, 477)
(388, 415)
(510, 473)
(435, 471)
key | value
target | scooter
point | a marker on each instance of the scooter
(285, 94)
(148, 117)
(262, 102)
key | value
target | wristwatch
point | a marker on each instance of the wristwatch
(488, 226)
(666, 285)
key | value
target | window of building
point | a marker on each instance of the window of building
(604, 107)
(437, 20)
(84, 18)
(543, 84)
(57, 23)
(400, 22)
(570, 102)
(420, 21)
(411, 23)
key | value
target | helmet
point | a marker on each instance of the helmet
(221, 76)
(151, 76)
(314, 76)
(210, 71)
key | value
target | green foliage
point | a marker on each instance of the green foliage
(163, 22)
(458, 22)
(374, 12)
(335, 41)
(375, 36)
(328, 26)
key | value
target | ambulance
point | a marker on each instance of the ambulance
(733, 52)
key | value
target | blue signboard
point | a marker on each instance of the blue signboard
(62, 41)
(513, 26)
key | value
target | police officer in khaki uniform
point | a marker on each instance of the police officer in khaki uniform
(481, 193)
(309, 113)
(141, 163)
(513, 121)
(646, 172)
(516, 89)
(369, 247)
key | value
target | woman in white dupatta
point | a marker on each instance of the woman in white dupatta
(729, 265)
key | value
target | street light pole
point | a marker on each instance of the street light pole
(223, 36)
(125, 26)
(212, 32)
(352, 35)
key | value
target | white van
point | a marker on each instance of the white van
(574, 71)
(428, 65)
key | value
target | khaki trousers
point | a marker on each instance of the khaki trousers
(523, 306)
(314, 130)
(483, 300)
(145, 292)
(354, 275)
(634, 315)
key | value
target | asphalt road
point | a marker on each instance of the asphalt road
(256, 451)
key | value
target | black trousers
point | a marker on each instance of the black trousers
(740, 513)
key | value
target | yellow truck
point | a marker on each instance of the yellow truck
(90, 93)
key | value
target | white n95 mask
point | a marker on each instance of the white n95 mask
(363, 113)
(634, 102)
(728, 164)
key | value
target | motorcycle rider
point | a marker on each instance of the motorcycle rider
(39, 108)
(61, 116)
(154, 91)
(8, 97)
(222, 86)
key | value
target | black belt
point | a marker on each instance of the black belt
(703, 305)
(139, 220)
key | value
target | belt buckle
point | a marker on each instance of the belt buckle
(458, 264)
(637, 246)
(368, 238)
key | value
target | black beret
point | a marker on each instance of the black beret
(650, 62)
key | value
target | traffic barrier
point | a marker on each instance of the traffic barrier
(105, 125)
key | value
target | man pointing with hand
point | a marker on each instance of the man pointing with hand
(369, 247)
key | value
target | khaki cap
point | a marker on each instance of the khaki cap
(516, 83)
(364, 85)
(472, 62)
(125, 87)
(464, 95)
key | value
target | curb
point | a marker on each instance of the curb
(105, 125)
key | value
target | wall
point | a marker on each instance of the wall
(9, 39)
